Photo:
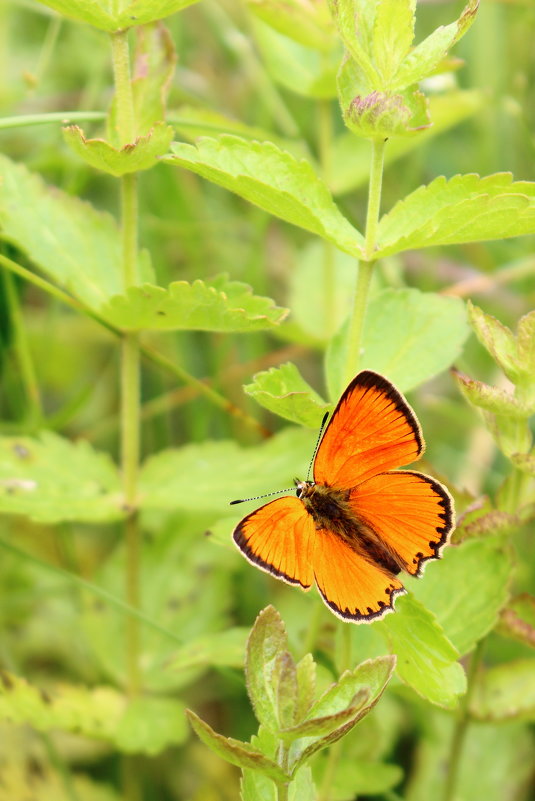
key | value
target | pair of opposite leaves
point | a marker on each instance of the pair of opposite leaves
(360, 522)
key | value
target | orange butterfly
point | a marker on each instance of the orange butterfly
(359, 522)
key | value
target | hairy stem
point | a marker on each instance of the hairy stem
(360, 302)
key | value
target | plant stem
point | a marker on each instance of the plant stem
(461, 726)
(23, 353)
(63, 117)
(283, 787)
(130, 367)
(356, 325)
(325, 135)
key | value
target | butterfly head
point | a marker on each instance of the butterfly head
(303, 488)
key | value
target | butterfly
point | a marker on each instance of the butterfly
(360, 522)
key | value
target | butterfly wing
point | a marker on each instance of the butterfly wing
(411, 513)
(352, 586)
(279, 538)
(372, 429)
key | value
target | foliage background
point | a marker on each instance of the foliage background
(60, 635)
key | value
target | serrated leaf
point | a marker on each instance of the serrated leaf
(144, 725)
(466, 208)
(409, 336)
(219, 649)
(75, 245)
(266, 658)
(273, 180)
(284, 391)
(467, 589)
(210, 475)
(235, 751)
(356, 777)
(427, 660)
(50, 479)
(505, 691)
(300, 69)
(105, 15)
(379, 115)
(141, 154)
(215, 305)
(517, 619)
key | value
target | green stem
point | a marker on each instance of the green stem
(461, 726)
(124, 97)
(130, 360)
(356, 325)
(24, 356)
(283, 760)
(63, 117)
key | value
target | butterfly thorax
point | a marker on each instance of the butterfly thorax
(331, 510)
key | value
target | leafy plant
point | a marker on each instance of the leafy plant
(117, 610)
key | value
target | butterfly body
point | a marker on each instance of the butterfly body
(359, 523)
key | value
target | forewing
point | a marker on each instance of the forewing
(352, 586)
(279, 538)
(372, 429)
(411, 513)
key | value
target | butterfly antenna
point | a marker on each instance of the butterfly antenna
(325, 416)
(257, 497)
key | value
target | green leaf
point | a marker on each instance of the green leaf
(215, 305)
(218, 649)
(309, 24)
(50, 480)
(424, 58)
(350, 156)
(209, 475)
(234, 751)
(506, 751)
(267, 665)
(300, 69)
(356, 777)
(284, 391)
(427, 660)
(273, 180)
(497, 339)
(466, 208)
(75, 245)
(316, 264)
(467, 589)
(106, 15)
(141, 154)
(306, 686)
(517, 619)
(358, 37)
(409, 336)
(153, 69)
(378, 115)
(144, 725)
(492, 399)
(151, 724)
(505, 692)
(367, 683)
(392, 36)
(327, 724)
